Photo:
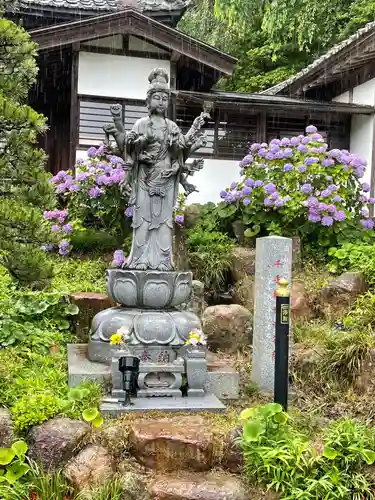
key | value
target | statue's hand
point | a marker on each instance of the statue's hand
(131, 137)
(201, 142)
(110, 129)
(196, 165)
(190, 188)
(199, 121)
(116, 110)
(167, 173)
(150, 137)
(125, 187)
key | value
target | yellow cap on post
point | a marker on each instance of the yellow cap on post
(283, 289)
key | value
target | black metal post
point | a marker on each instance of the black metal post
(129, 367)
(282, 344)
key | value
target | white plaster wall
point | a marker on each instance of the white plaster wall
(108, 75)
(362, 126)
(342, 97)
(365, 93)
(215, 176)
(361, 134)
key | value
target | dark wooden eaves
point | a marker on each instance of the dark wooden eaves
(129, 21)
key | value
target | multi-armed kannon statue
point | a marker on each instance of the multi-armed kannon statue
(149, 290)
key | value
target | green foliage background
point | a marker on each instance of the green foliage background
(273, 39)
(24, 186)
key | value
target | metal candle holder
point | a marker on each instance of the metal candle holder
(129, 367)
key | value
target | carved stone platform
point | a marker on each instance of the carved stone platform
(222, 379)
(149, 289)
(110, 407)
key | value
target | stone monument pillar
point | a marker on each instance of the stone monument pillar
(273, 262)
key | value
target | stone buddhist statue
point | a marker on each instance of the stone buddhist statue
(155, 152)
(148, 288)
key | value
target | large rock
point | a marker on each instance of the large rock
(342, 292)
(6, 428)
(233, 456)
(191, 215)
(89, 304)
(54, 442)
(172, 444)
(228, 327)
(134, 486)
(243, 263)
(93, 466)
(299, 302)
(198, 487)
(243, 293)
(305, 359)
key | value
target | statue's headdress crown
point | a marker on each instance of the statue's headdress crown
(159, 80)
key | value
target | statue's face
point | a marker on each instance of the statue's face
(159, 103)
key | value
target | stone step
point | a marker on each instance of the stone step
(198, 486)
(176, 443)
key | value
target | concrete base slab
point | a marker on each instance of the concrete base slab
(111, 407)
(80, 369)
(222, 380)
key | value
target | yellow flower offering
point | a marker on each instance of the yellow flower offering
(116, 339)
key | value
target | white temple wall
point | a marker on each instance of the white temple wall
(109, 75)
(362, 126)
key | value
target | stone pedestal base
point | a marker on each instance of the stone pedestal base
(111, 407)
(222, 380)
(147, 327)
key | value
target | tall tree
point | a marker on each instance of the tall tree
(274, 39)
(24, 187)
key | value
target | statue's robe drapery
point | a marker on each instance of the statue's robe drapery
(154, 197)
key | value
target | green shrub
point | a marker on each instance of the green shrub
(35, 319)
(74, 275)
(94, 240)
(34, 387)
(209, 257)
(34, 409)
(354, 257)
(278, 455)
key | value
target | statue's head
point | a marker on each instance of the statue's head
(158, 92)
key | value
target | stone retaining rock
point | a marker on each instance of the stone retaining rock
(89, 304)
(227, 327)
(299, 302)
(177, 443)
(198, 487)
(243, 293)
(342, 292)
(93, 466)
(56, 441)
(233, 457)
(243, 263)
(6, 428)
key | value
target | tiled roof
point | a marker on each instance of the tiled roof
(109, 5)
(314, 66)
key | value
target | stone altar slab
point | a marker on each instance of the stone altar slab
(110, 407)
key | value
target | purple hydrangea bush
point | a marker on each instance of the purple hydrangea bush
(298, 187)
(93, 196)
